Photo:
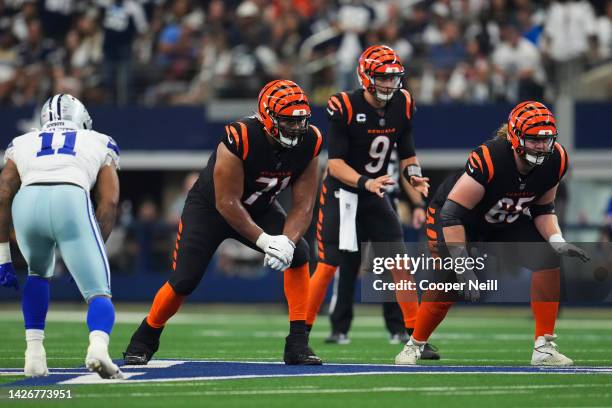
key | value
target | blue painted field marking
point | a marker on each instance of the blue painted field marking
(181, 370)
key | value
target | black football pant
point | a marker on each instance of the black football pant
(203, 229)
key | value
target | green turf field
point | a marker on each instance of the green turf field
(469, 336)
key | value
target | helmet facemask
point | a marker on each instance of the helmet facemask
(290, 130)
(385, 93)
(536, 157)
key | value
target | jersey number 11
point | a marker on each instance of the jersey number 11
(47, 141)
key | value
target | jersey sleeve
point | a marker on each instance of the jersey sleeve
(9, 153)
(112, 153)
(338, 115)
(405, 144)
(479, 165)
(563, 160)
(236, 139)
(318, 140)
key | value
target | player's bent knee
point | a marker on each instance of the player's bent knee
(183, 286)
(301, 255)
(90, 295)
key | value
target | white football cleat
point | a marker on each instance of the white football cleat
(98, 360)
(35, 361)
(545, 353)
(411, 352)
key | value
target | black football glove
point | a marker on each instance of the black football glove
(470, 293)
(567, 249)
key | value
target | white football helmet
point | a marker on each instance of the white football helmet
(65, 107)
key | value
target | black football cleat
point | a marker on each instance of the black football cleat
(297, 351)
(144, 343)
(429, 352)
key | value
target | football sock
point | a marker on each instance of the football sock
(297, 327)
(545, 289)
(101, 315)
(429, 316)
(317, 290)
(166, 303)
(409, 311)
(35, 302)
(296, 282)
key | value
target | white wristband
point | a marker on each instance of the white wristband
(262, 241)
(5, 253)
(554, 238)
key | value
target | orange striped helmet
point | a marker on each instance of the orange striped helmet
(284, 111)
(532, 122)
(380, 61)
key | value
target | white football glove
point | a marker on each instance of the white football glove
(275, 263)
(277, 246)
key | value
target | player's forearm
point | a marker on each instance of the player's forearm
(238, 218)
(547, 225)
(298, 221)
(106, 214)
(343, 172)
(5, 222)
(454, 234)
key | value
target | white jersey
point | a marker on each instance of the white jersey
(61, 153)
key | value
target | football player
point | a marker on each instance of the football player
(365, 125)
(505, 194)
(235, 197)
(341, 306)
(47, 177)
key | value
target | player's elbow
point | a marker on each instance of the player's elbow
(452, 213)
(224, 204)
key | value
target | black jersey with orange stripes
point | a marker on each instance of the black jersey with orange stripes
(268, 167)
(364, 136)
(508, 193)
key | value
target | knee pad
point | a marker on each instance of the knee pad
(301, 255)
(183, 286)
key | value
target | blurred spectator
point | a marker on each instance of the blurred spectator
(354, 19)
(604, 33)
(8, 65)
(568, 38)
(56, 17)
(175, 210)
(122, 21)
(519, 74)
(608, 221)
(34, 56)
(253, 62)
(150, 238)
(470, 80)
(189, 51)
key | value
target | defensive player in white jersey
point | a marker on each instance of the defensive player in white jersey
(47, 178)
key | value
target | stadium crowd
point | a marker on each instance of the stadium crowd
(183, 52)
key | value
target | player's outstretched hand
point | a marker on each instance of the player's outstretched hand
(567, 249)
(377, 185)
(469, 293)
(420, 184)
(277, 246)
(8, 278)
